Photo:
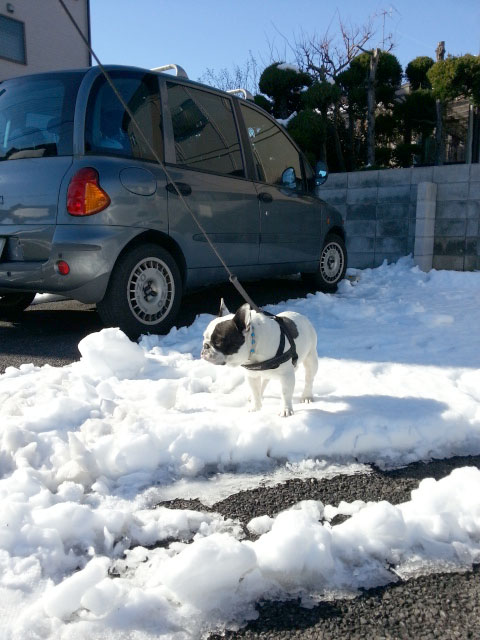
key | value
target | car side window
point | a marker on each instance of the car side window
(109, 129)
(204, 130)
(273, 152)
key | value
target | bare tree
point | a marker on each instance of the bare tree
(329, 55)
(326, 56)
(245, 76)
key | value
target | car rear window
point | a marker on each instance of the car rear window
(36, 115)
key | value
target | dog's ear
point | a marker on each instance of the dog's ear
(223, 311)
(242, 318)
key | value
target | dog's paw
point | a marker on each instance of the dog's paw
(285, 412)
(307, 399)
(253, 407)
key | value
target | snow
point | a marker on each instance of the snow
(288, 67)
(89, 450)
(284, 121)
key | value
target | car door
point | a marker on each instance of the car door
(290, 217)
(205, 161)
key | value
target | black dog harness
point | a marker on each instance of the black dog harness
(280, 357)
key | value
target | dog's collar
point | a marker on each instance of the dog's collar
(281, 356)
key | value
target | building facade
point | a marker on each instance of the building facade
(37, 35)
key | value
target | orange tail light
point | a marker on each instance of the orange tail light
(85, 196)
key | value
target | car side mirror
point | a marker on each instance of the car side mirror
(289, 179)
(321, 173)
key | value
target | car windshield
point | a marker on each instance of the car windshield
(36, 115)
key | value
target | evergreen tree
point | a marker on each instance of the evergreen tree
(283, 86)
(451, 79)
(415, 114)
(263, 102)
(370, 83)
(352, 85)
(416, 72)
(313, 120)
(309, 131)
(456, 77)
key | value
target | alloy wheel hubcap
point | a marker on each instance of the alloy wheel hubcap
(331, 262)
(150, 291)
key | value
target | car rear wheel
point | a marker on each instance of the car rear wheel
(332, 267)
(144, 292)
(11, 304)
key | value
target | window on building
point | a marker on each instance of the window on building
(12, 40)
(272, 150)
(204, 130)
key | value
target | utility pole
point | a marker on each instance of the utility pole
(439, 146)
(371, 104)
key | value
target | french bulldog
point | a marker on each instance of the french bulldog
(248, 338)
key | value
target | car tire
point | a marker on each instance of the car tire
(332, 265)
(12, 304)
(144, 292)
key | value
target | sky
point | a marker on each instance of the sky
(216, 34)
(89, 451)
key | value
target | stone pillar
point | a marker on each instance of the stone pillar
(425, 225)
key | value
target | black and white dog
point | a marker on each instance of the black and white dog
(268, 347)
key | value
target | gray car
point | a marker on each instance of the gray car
(86, 210)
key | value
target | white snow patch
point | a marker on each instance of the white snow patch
(287, 66)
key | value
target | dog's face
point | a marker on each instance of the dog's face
(224, 340)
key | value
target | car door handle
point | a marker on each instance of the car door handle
(264, 196)
(184, 188)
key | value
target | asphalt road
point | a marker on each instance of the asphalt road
(445, 606)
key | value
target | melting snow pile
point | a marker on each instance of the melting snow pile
(88, 450)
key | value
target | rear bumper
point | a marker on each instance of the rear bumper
(90, 252)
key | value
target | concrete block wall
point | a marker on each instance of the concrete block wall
(394, 212)
(425, 225)
(456, 243)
